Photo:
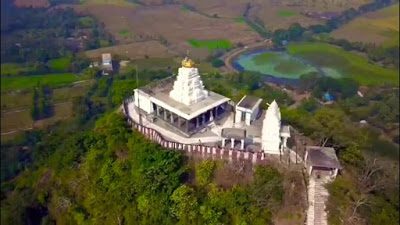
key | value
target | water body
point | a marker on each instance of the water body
(277, 66)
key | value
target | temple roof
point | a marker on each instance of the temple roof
(159, 91)
(273, 112)
(322, 157)
(249, 102)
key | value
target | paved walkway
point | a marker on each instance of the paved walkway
(317, 197)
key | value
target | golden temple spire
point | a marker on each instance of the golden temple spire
(188, 63)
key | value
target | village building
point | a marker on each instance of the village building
(182, 110)
(321, 162)
(106, 64)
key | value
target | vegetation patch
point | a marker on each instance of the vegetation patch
(124, 33)
(12, 69)
(240, 19)
(86, 22)
(60, 64)
(25, 82)
(278, 64)
(109, 2)
(211, 44)
(286, 13)
(346, 63)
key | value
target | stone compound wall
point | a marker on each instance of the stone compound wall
(205, 151)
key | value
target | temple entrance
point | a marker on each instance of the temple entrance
(243, 116)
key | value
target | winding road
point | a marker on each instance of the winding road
(229, 56)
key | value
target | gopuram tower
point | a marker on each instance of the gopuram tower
(188, 87)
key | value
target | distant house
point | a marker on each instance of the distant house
(328, 97)
(106, 63)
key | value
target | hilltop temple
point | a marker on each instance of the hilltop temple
(182, 110)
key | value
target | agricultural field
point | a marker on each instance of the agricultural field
(380, 27)
(16, 106)
(151, 64)
(27, 82)
(273, 14)
(32, 3)
(60, 64)
(210, 44)
(136, 50)
(11, 69)
(123, 3)
(343, 63)
(179, 24)
(173, 29)
(281, 14)
(16, 100)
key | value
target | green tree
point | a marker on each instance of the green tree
(185, 206)
(204, 172)
(295, 31)
(267, 188)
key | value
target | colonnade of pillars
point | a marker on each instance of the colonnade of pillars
(184, 124)
(172, 118)
(233, 143)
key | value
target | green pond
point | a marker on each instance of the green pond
(278, 65)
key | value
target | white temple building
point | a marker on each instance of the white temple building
(182, 101)
(182, 110)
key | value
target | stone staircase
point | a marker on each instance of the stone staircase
(317, 196)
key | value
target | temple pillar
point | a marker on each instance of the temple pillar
(172, 118)
(216, 112)
(158, 110)
(284, 142)
(223, 142)
(179, 122)
(204, 119)
(335, 172)
(165, 114)
(232, 142)
(197, 122)
(309, 170)
(187, 125)
(242, 144)
(211, 115)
